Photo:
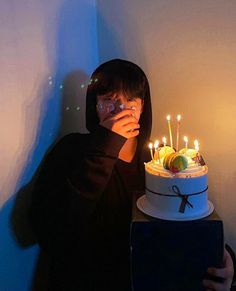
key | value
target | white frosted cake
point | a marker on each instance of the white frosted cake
(176, 186)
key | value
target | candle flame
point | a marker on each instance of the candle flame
(164, 140)
(185, 138)
(179, 117)
(156, 144)
(168, 117)
(196, 144)
(150, 145)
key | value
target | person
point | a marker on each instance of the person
(81, 204)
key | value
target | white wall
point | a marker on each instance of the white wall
(187, 49)
(44, 45)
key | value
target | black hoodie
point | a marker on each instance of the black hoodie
(81, 209)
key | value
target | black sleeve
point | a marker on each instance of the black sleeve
(70, 183)
(90, 178)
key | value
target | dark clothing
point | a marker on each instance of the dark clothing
(81, 211)
(81, 207)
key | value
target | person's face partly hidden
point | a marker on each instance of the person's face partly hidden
(112, 103)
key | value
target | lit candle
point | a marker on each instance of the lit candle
(170, 133)
(164, 141)
(186, 142)
(156, 146)
(196, 144)
(150, 147)
(177, 134)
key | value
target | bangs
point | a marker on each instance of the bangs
(112, 80)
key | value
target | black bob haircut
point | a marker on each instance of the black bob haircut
(120, 76)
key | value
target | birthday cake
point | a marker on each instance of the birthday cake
(176, 185)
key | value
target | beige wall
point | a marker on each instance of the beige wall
(188, 50)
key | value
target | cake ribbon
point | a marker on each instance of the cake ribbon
(184, 197)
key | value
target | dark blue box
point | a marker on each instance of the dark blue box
(174, 255)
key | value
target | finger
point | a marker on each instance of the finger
(214, 285)
(122, 121)
(226, 272)
(226, 254)
(131, 126)
(218, 272)
(123, 113)
(126, 120)
(132, 133)
(120, 125)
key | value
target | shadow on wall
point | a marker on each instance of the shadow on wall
(62, 112)
(73, 103)
(119, 33)
(109, 46)
(70, 121)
